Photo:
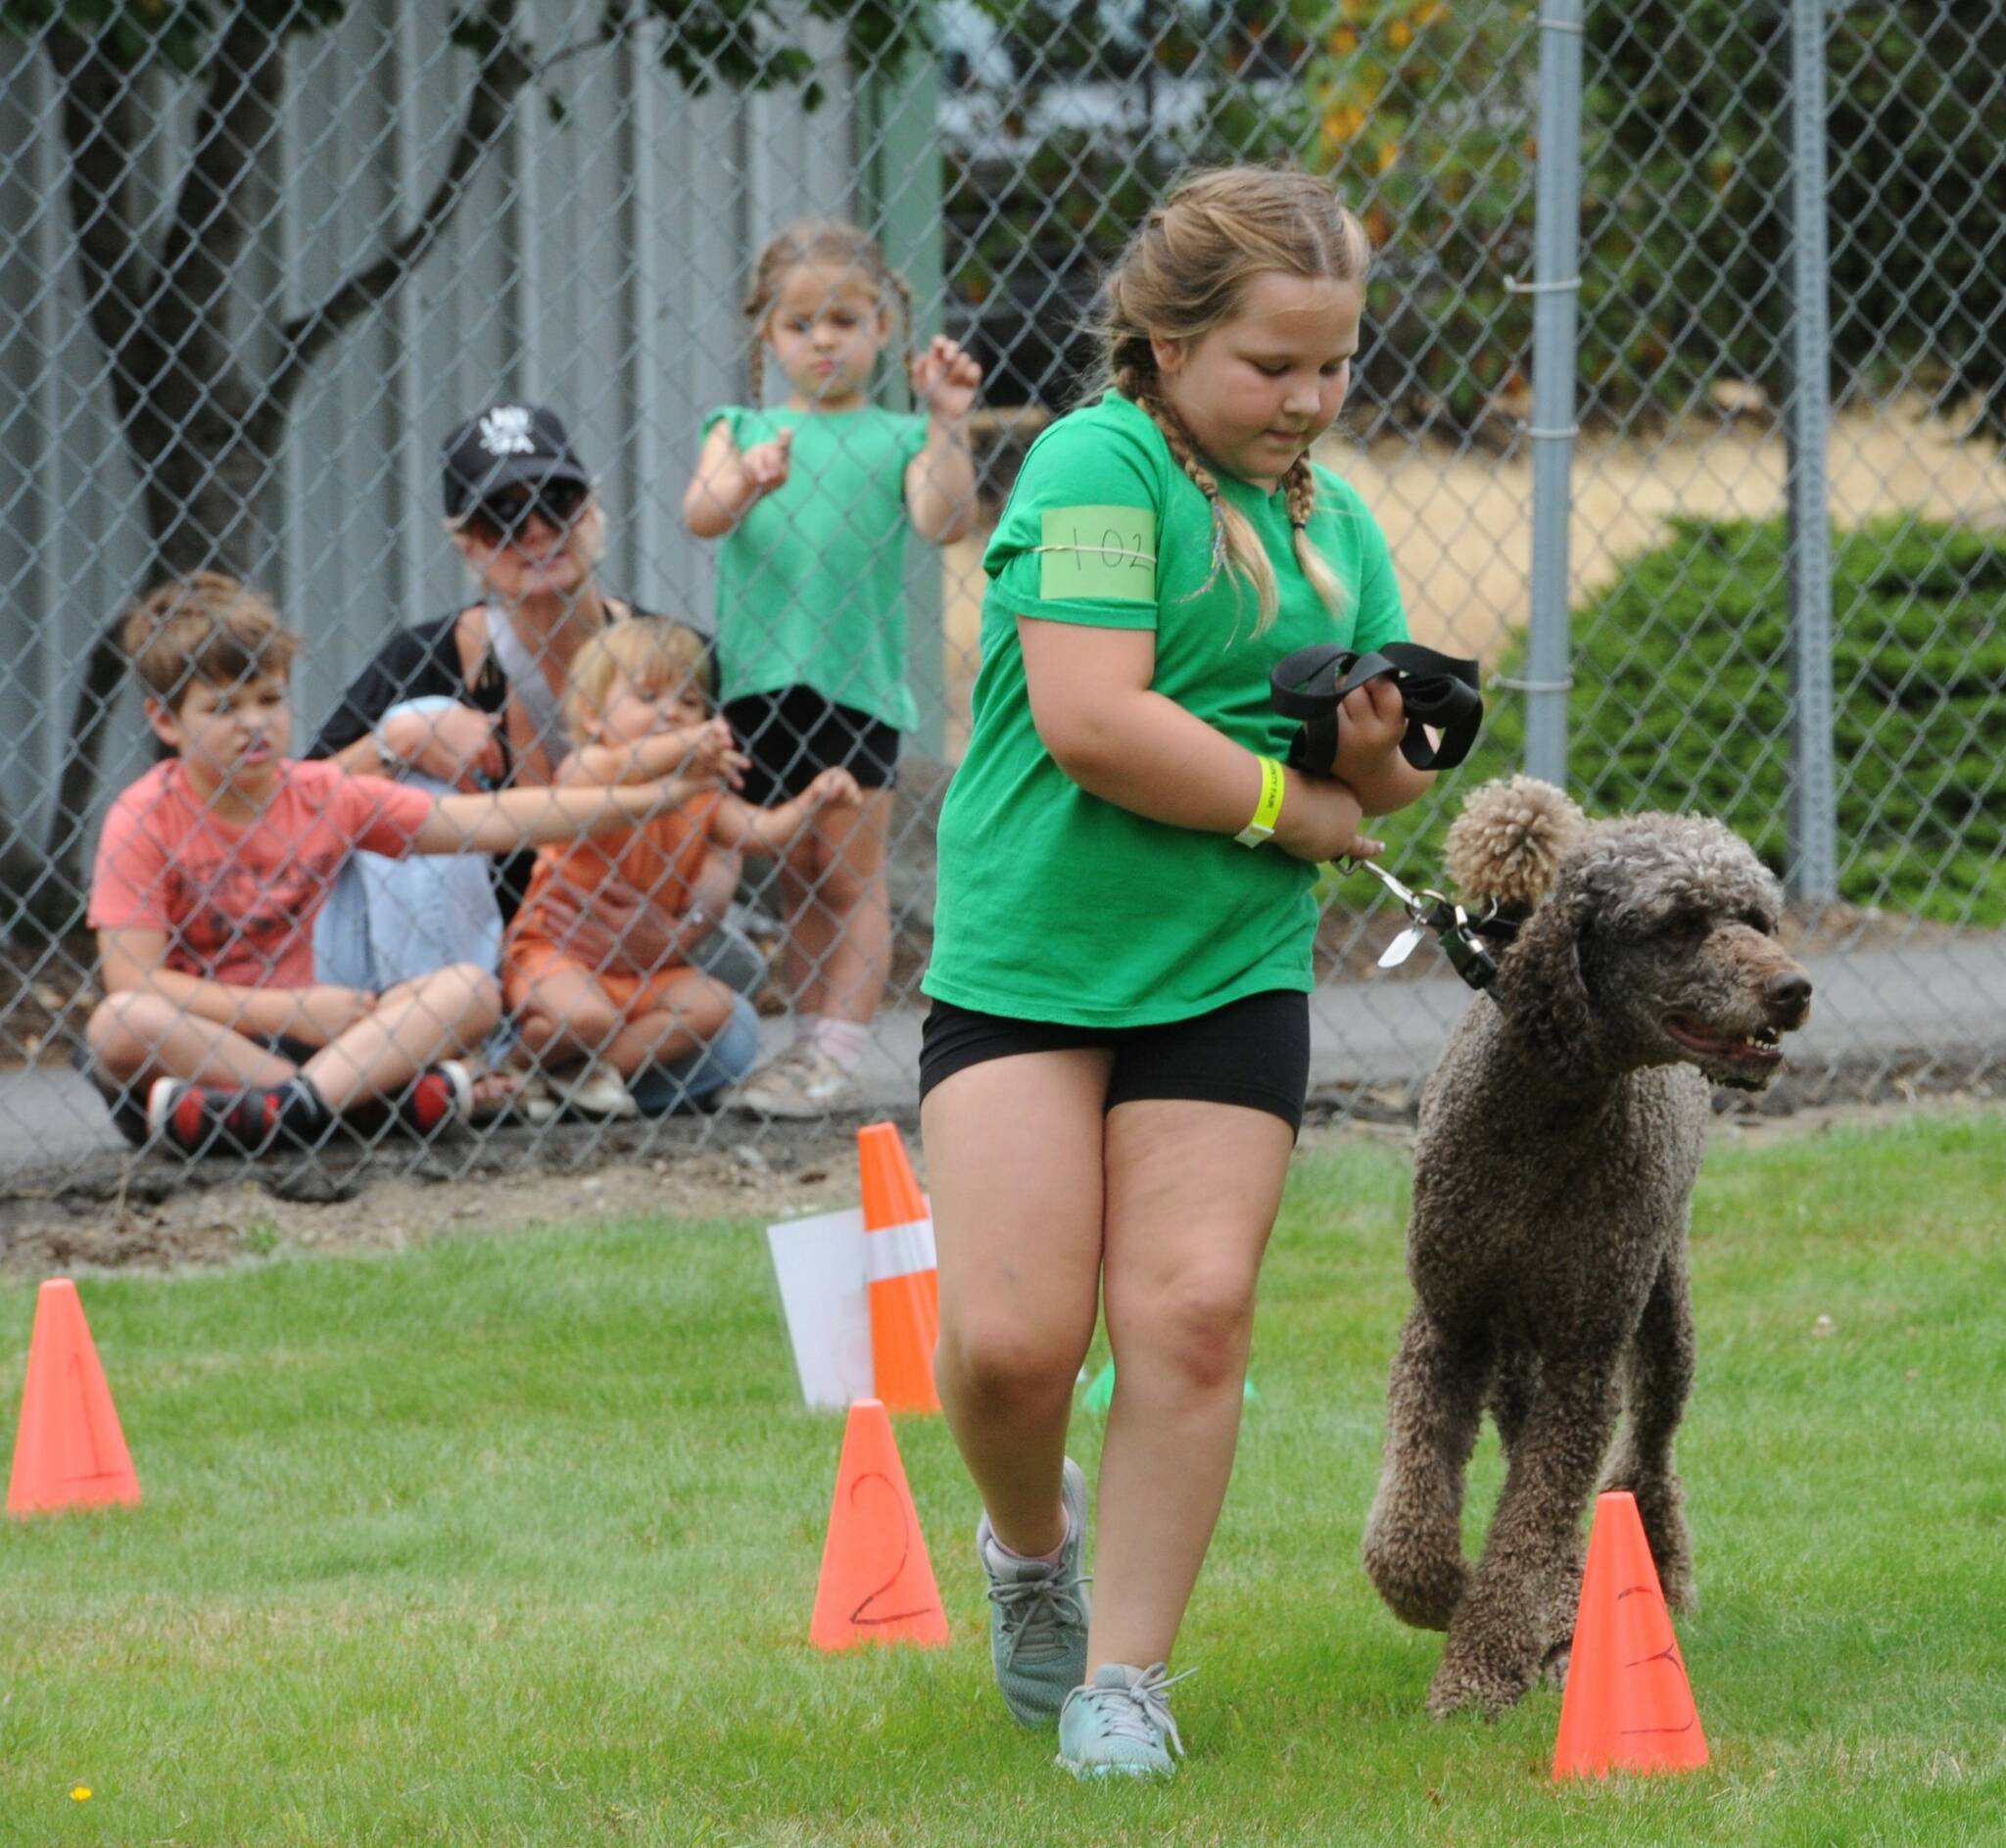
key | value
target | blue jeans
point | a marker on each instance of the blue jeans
(387, 921)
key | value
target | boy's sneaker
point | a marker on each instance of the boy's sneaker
(438, 1100)
(198, 1120)
(802, 1082)
(1120, 1724)
(600, 1091)
(1037, 1615)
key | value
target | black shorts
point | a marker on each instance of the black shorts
(1254, 1052)
(793, 737)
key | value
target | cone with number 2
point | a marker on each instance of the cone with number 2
(1628, 1705)
(877, 1582)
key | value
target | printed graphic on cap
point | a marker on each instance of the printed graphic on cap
(504, 431)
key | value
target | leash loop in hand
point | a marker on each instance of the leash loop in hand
(1437, 689)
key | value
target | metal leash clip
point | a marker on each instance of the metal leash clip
(1431, 911)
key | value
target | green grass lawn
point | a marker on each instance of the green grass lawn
(515, 1539)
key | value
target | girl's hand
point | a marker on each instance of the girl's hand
(1320, 819)
(765, 464)
(1371, 721)
(945, 379)
(831, 787)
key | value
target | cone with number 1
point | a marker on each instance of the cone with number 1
(70, 1452)
(904, 1287)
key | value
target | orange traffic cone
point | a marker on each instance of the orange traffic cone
(1628, 1704)
(899, 1266)
(70, 1452)
(877, 1582)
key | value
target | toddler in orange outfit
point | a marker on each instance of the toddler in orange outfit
(635, 700)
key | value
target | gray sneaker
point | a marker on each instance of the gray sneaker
(1038, 1617)
(1121, 1726)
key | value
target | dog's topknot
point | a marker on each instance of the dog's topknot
(1503, 850)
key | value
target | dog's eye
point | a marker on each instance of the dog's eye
(1690, 926)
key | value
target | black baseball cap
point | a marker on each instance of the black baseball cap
(502, 446)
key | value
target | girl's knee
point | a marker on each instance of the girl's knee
(1002, 1364)
(1196, 1325)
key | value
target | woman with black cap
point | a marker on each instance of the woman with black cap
(472, 700)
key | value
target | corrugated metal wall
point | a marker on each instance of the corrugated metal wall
(597, 266)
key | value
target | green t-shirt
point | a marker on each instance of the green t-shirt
(811, 583)
(1054, 904)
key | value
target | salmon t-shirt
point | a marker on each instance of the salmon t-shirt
(237, 901)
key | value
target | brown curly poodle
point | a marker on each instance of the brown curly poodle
(1559, 1137)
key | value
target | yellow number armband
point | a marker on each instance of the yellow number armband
(1268, 811)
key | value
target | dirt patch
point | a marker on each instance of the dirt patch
(155, 1215)
(215, 1214)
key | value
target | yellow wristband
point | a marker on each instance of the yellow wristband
(1267, 811)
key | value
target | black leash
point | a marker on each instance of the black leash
(1438, 690)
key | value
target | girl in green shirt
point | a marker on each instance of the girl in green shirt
(813, 500)
(1114, 1069)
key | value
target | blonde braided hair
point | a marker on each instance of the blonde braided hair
(820, 241)
(1182, 275)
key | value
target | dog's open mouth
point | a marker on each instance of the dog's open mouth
(1755, 1054)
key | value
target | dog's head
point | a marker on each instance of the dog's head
(1658, 944)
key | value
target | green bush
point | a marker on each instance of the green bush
(1681, 702)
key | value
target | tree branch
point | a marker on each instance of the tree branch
(98, 128)
(234, 134)
(506, 70)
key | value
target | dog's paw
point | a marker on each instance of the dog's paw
(1554, 1670)
(1420, 1589)
(1486, 1688)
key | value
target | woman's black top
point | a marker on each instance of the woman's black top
(419, 663)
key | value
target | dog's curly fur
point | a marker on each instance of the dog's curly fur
(1560, 1138)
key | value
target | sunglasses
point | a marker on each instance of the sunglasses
(502, 515)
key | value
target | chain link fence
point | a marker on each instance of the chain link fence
(260, 259)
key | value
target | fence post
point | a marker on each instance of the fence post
(1555, 285)
(899, 163)
(1812, 874)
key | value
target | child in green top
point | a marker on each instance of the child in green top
(812, 499)
(1115, 1065)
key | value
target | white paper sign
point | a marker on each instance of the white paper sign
(820, 1266)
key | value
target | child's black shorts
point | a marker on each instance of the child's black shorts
(1254, 1052)
(793, 737)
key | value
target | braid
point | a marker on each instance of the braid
(758, 298)
(1300, 485)
(1236, 548)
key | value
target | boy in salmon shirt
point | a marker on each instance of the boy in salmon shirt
(210, 870)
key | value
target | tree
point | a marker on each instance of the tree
(203, 430)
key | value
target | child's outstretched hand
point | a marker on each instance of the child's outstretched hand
(945, 379)
(831, 787)
(714, 752)
(765, 464)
